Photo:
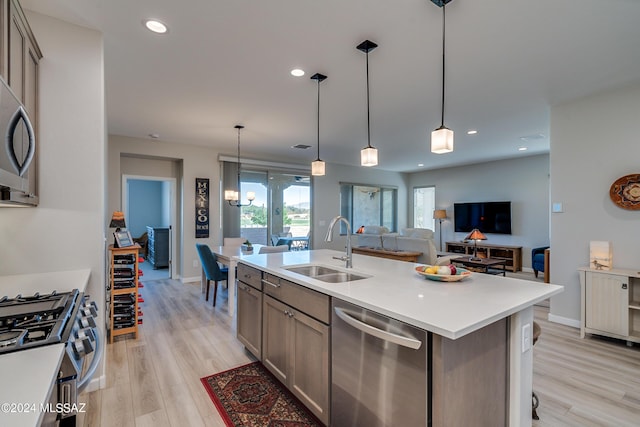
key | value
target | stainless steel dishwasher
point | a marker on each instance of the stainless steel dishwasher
(379, 370)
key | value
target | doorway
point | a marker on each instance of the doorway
(149, 205)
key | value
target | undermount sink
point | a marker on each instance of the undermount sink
(326, 274)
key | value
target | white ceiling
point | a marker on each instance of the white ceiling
(227, 62)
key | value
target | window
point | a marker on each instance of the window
(368, 205)
(424, 202)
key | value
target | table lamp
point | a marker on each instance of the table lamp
(475, 235)
(440, 215)
(117, 222)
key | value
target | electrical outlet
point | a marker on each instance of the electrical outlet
(195, 262)
(526, 337)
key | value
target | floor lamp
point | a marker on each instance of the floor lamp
(440, 215)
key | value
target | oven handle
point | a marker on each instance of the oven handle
(84, 382)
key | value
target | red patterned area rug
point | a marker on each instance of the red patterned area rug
(249, 396)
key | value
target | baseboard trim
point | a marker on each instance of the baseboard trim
(96, 384)
(190, 279)
(564, 321)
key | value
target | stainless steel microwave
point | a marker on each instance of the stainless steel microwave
(17, 152)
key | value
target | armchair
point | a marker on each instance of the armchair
(538, 259)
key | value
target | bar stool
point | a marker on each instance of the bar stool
(534, 399)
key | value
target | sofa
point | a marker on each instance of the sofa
(408, 239)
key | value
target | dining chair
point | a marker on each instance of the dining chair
(233, 241)
(273, 249)
(212, 270)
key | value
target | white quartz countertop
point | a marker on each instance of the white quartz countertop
(394, 289)
(28, 284)
(28, 375)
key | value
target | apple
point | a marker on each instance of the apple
(453, 269)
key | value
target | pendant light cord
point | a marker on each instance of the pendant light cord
(443, 45)
(239, 162)
(318, 121)
(368, 120)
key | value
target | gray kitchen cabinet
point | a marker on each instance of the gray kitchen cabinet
(249, 330)
(19, 66)
(295, 345)
(158, 246)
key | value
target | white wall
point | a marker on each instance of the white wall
(523, 181)
(187, 162)
(326, 198)
(594, 141)
(66, 231)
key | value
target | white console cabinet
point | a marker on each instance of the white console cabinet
(610, 303)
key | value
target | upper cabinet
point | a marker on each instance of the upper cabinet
(19, 59)
(20, 55)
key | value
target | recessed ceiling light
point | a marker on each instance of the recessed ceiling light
(420, 165)
(522, 149)
(154, 136)
(472, 132)
(155, 26)
(297, 72)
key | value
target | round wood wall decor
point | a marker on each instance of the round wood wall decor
(625, 192)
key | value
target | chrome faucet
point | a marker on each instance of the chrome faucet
(329, 237)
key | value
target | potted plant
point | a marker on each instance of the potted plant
(247, 246)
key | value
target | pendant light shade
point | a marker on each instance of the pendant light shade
(369, 154)
(317, 166)
(442, 138)
(233, 196)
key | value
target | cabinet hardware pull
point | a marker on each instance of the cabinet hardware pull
(266, 282)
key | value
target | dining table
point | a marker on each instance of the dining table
(229, 255)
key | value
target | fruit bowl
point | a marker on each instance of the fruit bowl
(461, 274)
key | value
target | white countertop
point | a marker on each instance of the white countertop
(28, 375)
(28, 284)
(394, 289)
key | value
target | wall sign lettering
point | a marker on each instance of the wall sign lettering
(202, 207)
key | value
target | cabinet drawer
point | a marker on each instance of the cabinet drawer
(304, 299)
(249, 275)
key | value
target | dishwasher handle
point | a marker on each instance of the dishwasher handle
(378, 333)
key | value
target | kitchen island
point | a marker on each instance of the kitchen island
(455, 314)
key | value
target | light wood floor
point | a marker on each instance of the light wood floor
(155, 380)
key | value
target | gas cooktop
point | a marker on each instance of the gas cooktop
(35, 320)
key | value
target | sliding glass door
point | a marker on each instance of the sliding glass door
(282, 207)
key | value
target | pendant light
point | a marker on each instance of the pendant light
(233, 196)
(317, 166)
(369, 154)
(442, 138)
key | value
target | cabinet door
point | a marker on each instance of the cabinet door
(607, 303)
(309, 375)
(276, 346)
(249, 331)
(17, 52)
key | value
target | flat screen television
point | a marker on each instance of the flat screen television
(488, 217)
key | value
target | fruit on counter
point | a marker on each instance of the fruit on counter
(441, 270)
(444, 269)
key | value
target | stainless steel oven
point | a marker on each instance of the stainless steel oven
(67, 318)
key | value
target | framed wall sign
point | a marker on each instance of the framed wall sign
(202, 207)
